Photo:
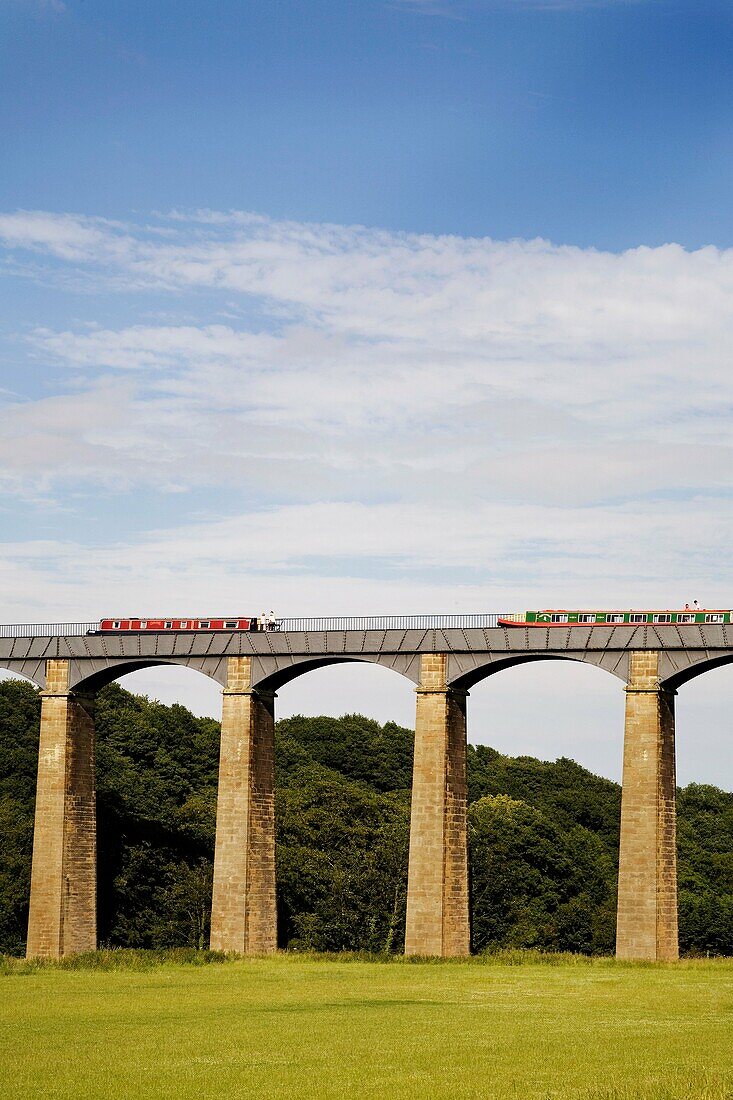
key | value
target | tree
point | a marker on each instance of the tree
(534, 884)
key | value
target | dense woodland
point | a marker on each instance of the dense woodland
(543, 836)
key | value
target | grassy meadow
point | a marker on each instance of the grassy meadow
(132, 1024)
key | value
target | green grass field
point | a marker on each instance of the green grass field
(126, 1025)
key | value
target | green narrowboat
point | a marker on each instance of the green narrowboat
(690, 616)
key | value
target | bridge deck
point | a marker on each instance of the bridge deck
(475, 645)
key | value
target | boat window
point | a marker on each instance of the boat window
(662, 619)
(143, 624)
(685, 618)
(559, 618)
(116, 624)
(230, 625)
(168, 625)
(638, 617)
(585, 618)
(714, 618)
(204, 625)
(614, 618)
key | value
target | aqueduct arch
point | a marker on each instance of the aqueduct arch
(467, 680)
(696, 669)
(13, 674)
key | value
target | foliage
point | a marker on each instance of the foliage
(342, 817)
(534, 884)
(543, 836)
(562, 789)
(342, 864)
(356, 747)
(705, 869)
(20, 713)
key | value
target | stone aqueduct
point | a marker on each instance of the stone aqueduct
(444, 657)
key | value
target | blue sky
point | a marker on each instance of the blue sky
(603, 124)
(371, 307)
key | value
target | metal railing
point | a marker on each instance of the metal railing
(393, 622)
(47, 630)
(357, 622)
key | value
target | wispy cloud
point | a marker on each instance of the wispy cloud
(428, 410)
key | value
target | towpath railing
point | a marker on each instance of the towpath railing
(46, 630)
(353, 622)
(393, 622)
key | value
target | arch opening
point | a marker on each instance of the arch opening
(158, 743)
(168, 681)
(548, 706)
(295, 671)
(20, 711)
(703, 708)
(344, 754)
(328, 687)
(704, 806)
(484, 672)
(544, 818)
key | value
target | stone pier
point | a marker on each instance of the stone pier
(437, 893)
(63, 902)
(243, 913)
(647, 883)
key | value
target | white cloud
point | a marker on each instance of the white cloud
(482, 361)
(420, 411)
(334, 558)
(67, 236)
